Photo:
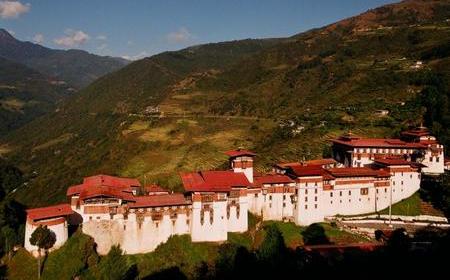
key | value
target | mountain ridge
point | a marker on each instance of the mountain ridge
(76, 67)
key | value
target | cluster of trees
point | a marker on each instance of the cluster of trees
(401, 255)
(12, 213)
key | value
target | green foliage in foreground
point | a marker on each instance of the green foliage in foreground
(70, 260)
(178, 256)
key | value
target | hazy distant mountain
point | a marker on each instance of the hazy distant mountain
(76, 67)
(282, 97)
(26, 94)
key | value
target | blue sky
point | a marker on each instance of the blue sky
(133, 28)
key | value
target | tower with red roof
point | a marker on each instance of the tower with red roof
(241, 161)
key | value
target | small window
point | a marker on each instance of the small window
(315, 198)
(315, 206)
(306, 199)
(284, 204)
(124, 227)
(331, 194)
(270, 205)
(306, 207)
(349, 192)
(256, 195)
(284, 197)
(306, 191)
(340, 193)
(401, 183)
(365, 191)
(315, 184)
(437, 159)
(315, 191)
(270, 197)
(385, 190)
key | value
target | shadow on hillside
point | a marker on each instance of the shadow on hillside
(172, 273)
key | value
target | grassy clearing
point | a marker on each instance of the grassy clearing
(407, 207)
(293, 234)
(61, 139)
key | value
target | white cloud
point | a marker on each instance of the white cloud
(73, 38)
(38, 38)
(181, 36)
(102, 37)
(137, 56)
(13, 9)
(102, 47)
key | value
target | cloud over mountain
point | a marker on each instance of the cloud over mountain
(73, 38)
(181, 36)
(12, 9)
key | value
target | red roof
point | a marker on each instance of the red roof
(287, 165)
(357, 172)
(106, 191)
(392, 161)
(239, 152)
(377, 143)
(323, 161)
(112, 182)
(155, 189)
(48, 212)
(75, 190)
(417, 132)
(272, 179)
(213, 181)
(307, 170)
(159, 200)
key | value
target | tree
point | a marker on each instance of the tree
(43, 238)
(9, 239)
(272, 248)
(315, 235)
(114, 266)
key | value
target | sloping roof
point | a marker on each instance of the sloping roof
(239, 152)
(357, 172)
(75, 190)
(323, 161)
(103, 182)
(48, 212)
(417, 132)
(378, 143)
(105, 191)
(307, 171)
(392, 161)
(107, 180)
(286, 165)
(159, 200)
(213, 181)
(155, 189)
(272, 179)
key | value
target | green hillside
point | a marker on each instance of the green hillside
(283, 98)
(25, 95)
